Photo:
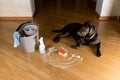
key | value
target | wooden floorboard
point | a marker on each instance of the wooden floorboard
(18, 65)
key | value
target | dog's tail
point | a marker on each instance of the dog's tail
(59, 30)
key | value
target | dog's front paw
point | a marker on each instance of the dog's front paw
(74, 46)
(98, 53)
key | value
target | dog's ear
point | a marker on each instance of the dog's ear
(83, 32)
(87, 24)
(80, 34)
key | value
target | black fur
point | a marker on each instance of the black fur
(85, 34)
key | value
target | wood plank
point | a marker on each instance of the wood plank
(16, 64)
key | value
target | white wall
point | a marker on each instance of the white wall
(116, 7)
(108, 7)
(17, 8)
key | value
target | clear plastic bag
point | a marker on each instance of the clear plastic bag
(53, 58)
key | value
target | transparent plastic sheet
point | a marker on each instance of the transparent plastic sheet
(53, 58)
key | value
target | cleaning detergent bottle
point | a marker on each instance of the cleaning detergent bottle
(41, 46)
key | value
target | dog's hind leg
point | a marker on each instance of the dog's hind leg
(57, 38)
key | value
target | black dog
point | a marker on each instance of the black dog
(85, 34)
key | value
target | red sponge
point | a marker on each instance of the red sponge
(62, 52)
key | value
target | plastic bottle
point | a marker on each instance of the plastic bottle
(41, 46)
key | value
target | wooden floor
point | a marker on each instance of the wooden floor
(18, 65)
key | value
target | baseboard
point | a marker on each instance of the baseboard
(16, 18)
(106, 17)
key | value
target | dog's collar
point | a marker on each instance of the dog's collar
(93, 35)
